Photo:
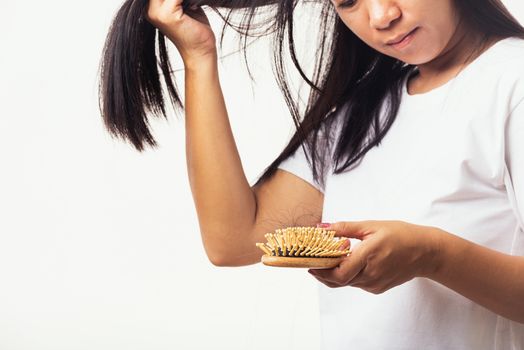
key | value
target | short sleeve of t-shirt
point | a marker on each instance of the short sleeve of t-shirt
(298, 165)
(515, 158)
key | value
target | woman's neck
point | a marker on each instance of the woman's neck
(464, 47)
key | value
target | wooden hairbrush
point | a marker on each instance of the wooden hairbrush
(309, 247)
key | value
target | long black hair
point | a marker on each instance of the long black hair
(363, 85)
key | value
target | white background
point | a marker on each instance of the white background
(99, 244)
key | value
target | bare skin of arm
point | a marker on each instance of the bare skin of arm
(233, 216)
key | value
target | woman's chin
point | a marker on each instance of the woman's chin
(415, 59)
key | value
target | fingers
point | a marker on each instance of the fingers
(172, 3)
(335, 278)
(345, 245)
(323, 280)
(356, 229)
(374, 286)
(172, 6)
(343, 274)
(155, 3)
(158, 7)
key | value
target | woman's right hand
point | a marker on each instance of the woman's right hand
(189, 31)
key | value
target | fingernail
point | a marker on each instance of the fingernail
(323, 225)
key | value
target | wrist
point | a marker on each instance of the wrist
(201, 63)
(435, 252)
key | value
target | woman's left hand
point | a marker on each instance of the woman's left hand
(391, 253)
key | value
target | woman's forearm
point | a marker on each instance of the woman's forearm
(393, 252)
(224, 200)
(489, 278)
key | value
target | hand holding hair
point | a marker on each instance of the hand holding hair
(130, 89)
(188, 28)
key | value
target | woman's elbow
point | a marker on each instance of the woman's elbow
(228, 258)
(219, 260)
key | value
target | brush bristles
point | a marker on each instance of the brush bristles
(303, 242)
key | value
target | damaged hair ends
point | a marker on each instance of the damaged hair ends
(130, 89)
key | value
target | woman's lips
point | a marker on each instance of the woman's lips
(402, 42)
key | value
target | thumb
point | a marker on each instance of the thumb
(356, 229)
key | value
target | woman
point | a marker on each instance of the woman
(415, 122)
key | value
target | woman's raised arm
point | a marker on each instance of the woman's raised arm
(232, 215)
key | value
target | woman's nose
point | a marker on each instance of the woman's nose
(382, 13)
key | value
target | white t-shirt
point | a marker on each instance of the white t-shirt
(453, 159)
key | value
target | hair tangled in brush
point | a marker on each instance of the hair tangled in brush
(303, 242)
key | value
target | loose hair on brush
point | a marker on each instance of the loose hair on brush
(361, 84)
